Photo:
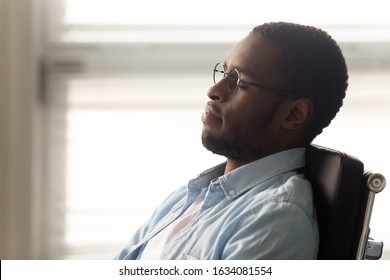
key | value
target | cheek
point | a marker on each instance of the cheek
(243, 112)
(253, 109)
(252, 119)
(242, 122)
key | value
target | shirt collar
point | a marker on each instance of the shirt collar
(203, 179)
(252, 174)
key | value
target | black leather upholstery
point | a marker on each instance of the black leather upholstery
(340, 197)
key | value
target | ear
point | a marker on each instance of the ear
(298, 113)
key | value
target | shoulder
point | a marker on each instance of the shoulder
(289, 195)
(280, 217)
(289, 186)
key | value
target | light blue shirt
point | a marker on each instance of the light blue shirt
(263, 210)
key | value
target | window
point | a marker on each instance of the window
(125, 86)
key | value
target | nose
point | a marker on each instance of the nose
(219, 91)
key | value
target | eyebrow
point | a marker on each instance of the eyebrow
(242, 72)
(232, 65)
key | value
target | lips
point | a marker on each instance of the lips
(212, 114)
(213, 110)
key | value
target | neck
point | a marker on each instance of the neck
(232, 164)
(246, 158)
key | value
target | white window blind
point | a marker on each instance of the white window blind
(125, 85)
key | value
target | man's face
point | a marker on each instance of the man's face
(240, 125)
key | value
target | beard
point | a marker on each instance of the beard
(244, 140)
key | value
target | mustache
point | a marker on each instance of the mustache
(214, 110)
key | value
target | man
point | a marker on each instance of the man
(278, 88)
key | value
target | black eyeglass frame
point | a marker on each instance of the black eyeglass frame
(229, 74)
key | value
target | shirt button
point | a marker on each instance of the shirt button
(232, 192)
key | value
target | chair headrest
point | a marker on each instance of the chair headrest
(339, 196)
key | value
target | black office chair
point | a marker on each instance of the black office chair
(343, 196)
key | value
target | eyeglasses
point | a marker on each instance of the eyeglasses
(234, 80)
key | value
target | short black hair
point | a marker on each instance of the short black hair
(312, 66)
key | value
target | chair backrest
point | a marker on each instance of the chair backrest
(340, 197)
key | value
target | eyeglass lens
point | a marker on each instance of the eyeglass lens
(233, 76)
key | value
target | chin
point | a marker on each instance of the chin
(222, 147)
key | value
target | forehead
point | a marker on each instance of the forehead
(254, 56)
